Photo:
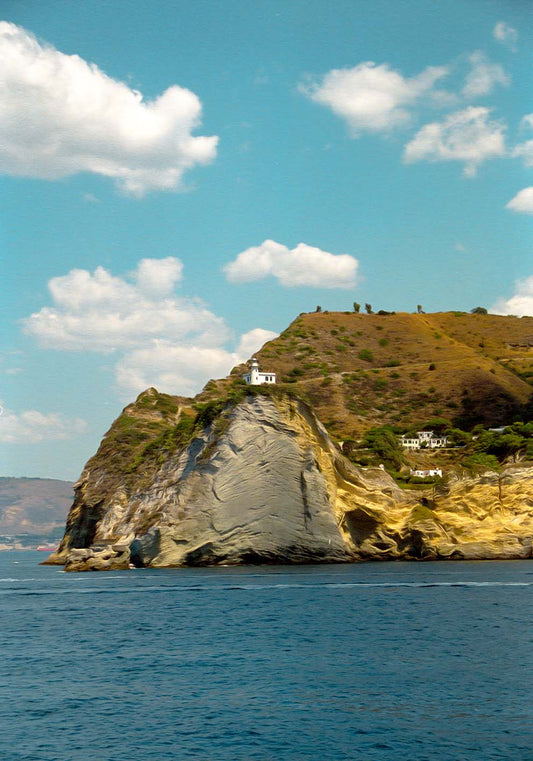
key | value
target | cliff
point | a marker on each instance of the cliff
(258, 479)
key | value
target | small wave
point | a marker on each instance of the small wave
(214, 588)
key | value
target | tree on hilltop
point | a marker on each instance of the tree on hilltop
(368, 308)
(478, 310)
(356, 307)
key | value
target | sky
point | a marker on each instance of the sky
(179, 180)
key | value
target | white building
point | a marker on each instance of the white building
(255, 378)
(426, 439)
(426, 473)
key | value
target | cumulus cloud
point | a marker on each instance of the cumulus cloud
(520, 303)
(522, 202)
(61, 115)
(505, 34)
(172, 368)
(175, 344)
(525, 150)
(102, 312)
(483, 76)
(469, 136)
(187, 368)
(33, 426)
(370, 97)
(301, 266)
(252, 341)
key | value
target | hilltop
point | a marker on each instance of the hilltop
(364, 370)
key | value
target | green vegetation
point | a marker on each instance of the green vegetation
(379, 445)
(480, 374)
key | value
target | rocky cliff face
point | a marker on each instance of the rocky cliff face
(262, 482)
(480, 518)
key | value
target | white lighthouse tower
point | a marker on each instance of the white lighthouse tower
(256, 378)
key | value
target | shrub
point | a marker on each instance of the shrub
(366, 355)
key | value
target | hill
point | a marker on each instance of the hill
(181, 481)
(36, 506)
(356, 371)
(364, 370)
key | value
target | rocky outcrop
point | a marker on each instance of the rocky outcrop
(484, 518)
(263, 483)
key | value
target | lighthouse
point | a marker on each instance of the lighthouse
(257, 378)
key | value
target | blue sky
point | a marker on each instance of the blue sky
(180, 180)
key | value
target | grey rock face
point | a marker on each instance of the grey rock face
(265, 484)
(258, 498)
(254, 494)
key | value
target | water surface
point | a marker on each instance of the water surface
(372, 661)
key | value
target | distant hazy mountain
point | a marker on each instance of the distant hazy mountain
(33, 505)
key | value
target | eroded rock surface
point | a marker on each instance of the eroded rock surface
(263, 483)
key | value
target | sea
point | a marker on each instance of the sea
(412, 661)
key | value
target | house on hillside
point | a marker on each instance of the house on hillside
(423, 440)
(256, 378)
(432, 472)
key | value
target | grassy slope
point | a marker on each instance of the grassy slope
(361, 370)
(323, 357)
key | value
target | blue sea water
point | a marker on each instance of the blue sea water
(381, 661)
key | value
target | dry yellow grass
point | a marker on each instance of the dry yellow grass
(361, 370)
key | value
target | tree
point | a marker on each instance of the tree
(356, 307)
(478, 310)
(436, 424)
(419, 309)
(319, 309)
(383, 442)
(368, 308)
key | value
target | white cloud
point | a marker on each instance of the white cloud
(61, 115)
(32, 426)
(172, 368)
(370, 97)
(158, 277)
(525, 150)
(469, 136)
(301, 266)
(252, 341)
(522, 202)
(169, 367)
(483, 76)
(520, 303)
(101, 312)
(505, 34)
(175, 344)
